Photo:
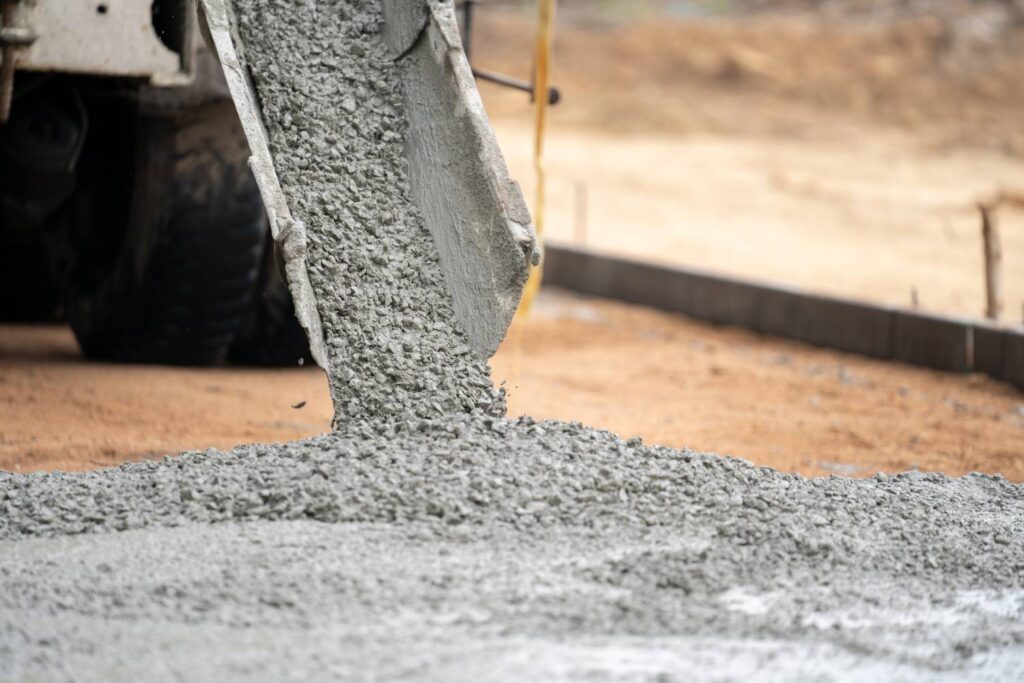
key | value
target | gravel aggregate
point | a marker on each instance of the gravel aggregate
(331, 98)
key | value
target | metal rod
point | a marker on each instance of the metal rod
(541, 101)
(554, 96)
(467, 28)
(7, 68)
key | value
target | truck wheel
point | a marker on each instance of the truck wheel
(167, 235)
(39, 146)
(272, 335)
(27, 294)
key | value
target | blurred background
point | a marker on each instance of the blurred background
(836, 147)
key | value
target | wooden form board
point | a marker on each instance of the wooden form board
(939, 342)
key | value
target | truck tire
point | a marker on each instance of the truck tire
(272, 335)
(27, 294)
(165, 257)
(39, 147)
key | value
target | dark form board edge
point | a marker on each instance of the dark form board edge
(941, 343)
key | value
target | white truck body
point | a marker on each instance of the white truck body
(105, 38)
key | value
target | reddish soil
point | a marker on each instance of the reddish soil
(631, 370)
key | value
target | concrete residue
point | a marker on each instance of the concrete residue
(431, 538)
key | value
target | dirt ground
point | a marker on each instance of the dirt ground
(631, 370)
(841, 157)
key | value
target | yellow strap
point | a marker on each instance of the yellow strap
(541, 82)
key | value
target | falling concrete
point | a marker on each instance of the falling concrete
(431, 538)
(332, 105)
(401, 226)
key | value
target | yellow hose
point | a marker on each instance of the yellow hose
(541, 83)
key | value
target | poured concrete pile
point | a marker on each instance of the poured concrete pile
(491, 549)
(429, 538)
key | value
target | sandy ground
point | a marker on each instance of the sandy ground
(716, 144)
(870, 217)
(724, 145)
(631, 370)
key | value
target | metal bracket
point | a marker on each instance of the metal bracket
(554, 95)
(16, 36)
(11, 38)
